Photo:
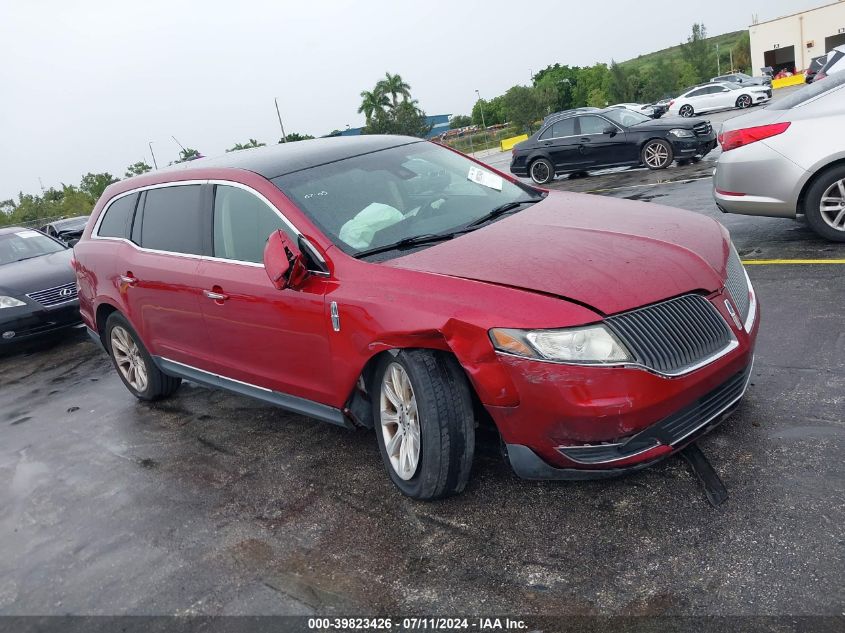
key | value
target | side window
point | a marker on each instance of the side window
(118, 217)
(592, 124)
(242, 224)
(547, 133)
(564, 127)
(172, 220)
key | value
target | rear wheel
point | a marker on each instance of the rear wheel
(657, 154)
(824, 205)
(686, 110)
(133, 362)
(425, 427)
(542, 171)
(743, 101)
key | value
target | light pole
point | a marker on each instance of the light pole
(153, 155)
(279, 114)
(483, 124)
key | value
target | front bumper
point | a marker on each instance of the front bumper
(698, 146)
(31, 321)
(580, 422)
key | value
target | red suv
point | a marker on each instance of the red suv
(391, 283)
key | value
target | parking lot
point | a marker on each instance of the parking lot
(209, 503)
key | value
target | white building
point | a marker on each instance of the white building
(793, 41)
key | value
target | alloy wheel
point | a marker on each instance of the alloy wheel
(127, 357)
(686, 111)
(400, 421)
(832, 205)
(540, 172)
(744, 101)
(655, 155)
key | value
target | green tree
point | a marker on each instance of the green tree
(741, 53)
(394, 86)
(295, 136)
(136, 169)
(621, 87)
(494, 111)
(406, 119)
(373, 102)
(248, 145)
(523, 106)
(554, 86)
(591, 84)
(699, 53)
(189, 153)
(95, 184)
(459, 121)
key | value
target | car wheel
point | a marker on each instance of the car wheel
(824, 205)
(744, 101)
(686, 111)
(425, 426)
(542, 171)
(657, 154)
(133, 362)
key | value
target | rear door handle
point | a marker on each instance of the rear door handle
(216, 296)
(585, 140)
(129, 279)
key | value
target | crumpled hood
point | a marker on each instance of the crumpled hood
(38, 273)
(610, 254)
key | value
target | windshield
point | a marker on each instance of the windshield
(25, 244)
(626, 117)
(418, 189)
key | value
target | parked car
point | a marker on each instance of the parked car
(718, 96)
(645, 109)
(392, 283)
(609, 138)
(834, 63)
(788, 159)
(67, 230)
(744, 80)
(816, 64)
(557, 115)
(660, 108)
(37, 286)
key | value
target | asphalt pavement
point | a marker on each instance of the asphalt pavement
(210, 503)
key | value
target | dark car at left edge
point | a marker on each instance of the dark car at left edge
(580, 142)
(37, 286)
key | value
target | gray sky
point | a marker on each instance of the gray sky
(84, 85)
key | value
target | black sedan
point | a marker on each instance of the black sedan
(37, 286)
(609, 138)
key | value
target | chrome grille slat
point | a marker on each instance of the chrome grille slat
(53, 296)
(672, 335)
(737, 284)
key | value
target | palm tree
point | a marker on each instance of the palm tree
(372, 100)
(394, 86)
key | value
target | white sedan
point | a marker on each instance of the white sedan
(636, 107)
(720, 95)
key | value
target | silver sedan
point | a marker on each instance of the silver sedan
(788, 159)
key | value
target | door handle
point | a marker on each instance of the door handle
(584, 139)
(547, 142)
(129, 279)
(216, 296)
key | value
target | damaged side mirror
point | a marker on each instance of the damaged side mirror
(283, 262)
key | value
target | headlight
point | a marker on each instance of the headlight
(10, 302)
(591, 344)
(681, 133)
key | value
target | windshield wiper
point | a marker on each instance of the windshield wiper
(427, 238)
(501, 210)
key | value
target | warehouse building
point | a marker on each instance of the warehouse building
(793, 41)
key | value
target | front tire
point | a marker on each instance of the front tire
(743, 102)
(133, 362)
(657, 154)
(542, 171)
(425, 426)
(824, 205)
(686, 111)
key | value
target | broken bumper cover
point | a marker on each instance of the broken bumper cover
(642, 449)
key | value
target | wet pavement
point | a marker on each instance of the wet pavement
(209, 503)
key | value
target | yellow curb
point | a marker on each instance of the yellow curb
(765, 262)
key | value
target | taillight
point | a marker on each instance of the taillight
(737, 138)
(670, 103)
(819, 76)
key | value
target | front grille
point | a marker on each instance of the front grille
(737, 284)
(55, 296)
(672, 336)
(669, 431)
(702, 129)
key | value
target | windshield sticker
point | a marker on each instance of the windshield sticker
(485, 178)
(26, 234)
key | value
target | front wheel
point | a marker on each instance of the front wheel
(686, 111)
(743, 101)
(657, 154)
(425, 426)
(542, 171)
(824, 206)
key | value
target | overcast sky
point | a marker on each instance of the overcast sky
(85, 85)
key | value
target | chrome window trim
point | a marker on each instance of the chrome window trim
(752, 307)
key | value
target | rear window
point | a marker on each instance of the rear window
(118, 217)
(171, 220)
(564, 127)
(810, 91)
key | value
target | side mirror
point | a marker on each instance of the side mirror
(610, 129)
(283, 262)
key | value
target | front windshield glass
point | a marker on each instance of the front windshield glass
(626, 117)
(420, 189)
(26, 244)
